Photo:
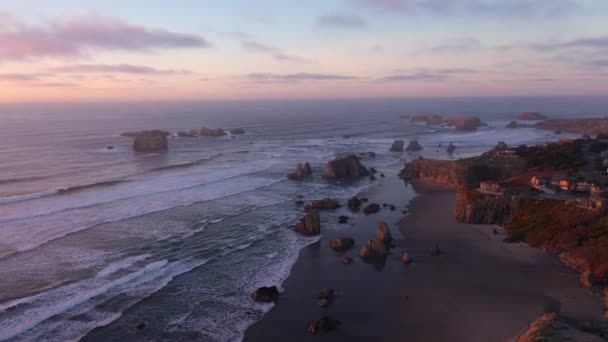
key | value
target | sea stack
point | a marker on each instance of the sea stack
(349, 167)
(151, 141)
(413, 146)
(397, 146)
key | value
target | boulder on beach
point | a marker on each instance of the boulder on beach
(110, 147)
(371, 208)
(406, 259)
(346, 168)
(325, 204)
(237, 131)
(325, 324)
(587, 279)
(530, 116)
(302, 171)
(374, 250)
(326, 297)
(397, 146)
(342, 244)
(383, 233)
(310, 224)
(413, 146)
(211, 132)
(151, 141)
(266, 294)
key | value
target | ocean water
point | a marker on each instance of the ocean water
(95, 241)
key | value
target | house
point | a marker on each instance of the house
(491, 186)
(595, 190)
(583, 187)
(565, 185)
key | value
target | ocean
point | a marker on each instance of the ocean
(95, 241)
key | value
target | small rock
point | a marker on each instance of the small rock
(587, 279)
(373, 171)
(372, 177)
(141, 325)
(414, 146)
(384, 205)
(381, 175)
(342, 244)
(266, 294)
(383, 234)
(326, 297)
(372, 208)
(495, 231)
(354, 204)
(299, 202)
(392, 207)
(451, 148)
(346, 260)
(325, 324)
(110, 147)
(325, 204)
(343, 219)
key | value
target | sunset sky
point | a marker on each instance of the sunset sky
(80, 50)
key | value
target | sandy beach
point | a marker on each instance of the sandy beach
(480, 289)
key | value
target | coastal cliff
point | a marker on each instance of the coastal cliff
(474, 207)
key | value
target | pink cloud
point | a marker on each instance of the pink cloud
(76, 35)
(117, 68)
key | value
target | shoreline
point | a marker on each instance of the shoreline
(481, 289)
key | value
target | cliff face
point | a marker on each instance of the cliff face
(477, 208)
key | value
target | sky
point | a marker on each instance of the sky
(123, 50)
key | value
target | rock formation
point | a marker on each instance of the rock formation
(210, 132)
(413, 146)
(349, 167)
(374, 250)
(325, 324)
(530, 116)
(237, 131)
(342, 244)
(266, 294)
(310, 224)
(325, 204)
(451, 148)
(151, 141)
(552, 328)
(397, 146)
(513, 124)
(383, 234)
(302, 171)
(371, 208)
(465, 123)
(477, 208)
(354, 204)
(429, 119)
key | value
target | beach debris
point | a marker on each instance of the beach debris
(302, 171)
(343, 219)
(310, 224)
(141, 325)
(266, 294)
(406, 258)
(354, 204)
(383, 234)
(436, 250)
(325, 324)
(372, 208)
(397, 146)
(342, 244)
(346, 260)
(326, 297)
(587, 279)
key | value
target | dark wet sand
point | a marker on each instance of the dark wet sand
(481, 289)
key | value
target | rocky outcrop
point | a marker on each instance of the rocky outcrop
(374, 250)
(552, 328)
(397, 146)
(302, 171)
(530, 116)
(414, 146)
(383, 234)
(513, 124)
(465, 123)
(349, 167)
(429, 119)
(474, 207)
(310, 224)
(237, 131)
(266, 294)
(451, 148)
(325, 204)
(342, 244)
(354, 203)
(151, 141)
(212, 132)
